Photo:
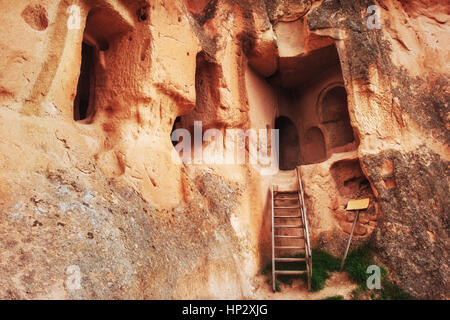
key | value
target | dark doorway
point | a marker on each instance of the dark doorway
(289, 143)
(85, 83)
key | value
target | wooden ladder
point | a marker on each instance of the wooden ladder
(290, 233)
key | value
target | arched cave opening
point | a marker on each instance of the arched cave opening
(351, 183)
(289, 149)
(313, 148)
(335, 117)
(350, 179)
(103, 26)
(86, 82)
(207, 102)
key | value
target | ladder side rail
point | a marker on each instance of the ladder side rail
(302, 199)
(306, 229)
(273, 241)
(307, 254)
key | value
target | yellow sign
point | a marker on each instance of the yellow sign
(359, 204)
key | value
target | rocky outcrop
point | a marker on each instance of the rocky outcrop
(413, 238)
(405, 151)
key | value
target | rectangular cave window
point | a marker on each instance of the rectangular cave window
(82, 106)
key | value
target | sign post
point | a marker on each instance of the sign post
(354, 205)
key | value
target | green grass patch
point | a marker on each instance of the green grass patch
(267, 270)
(323, 264)
(390, 291)
(277, 286)
(334, 298)
(357, 262)
(356, 266)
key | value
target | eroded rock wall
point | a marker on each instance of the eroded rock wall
(101, 199)
(398, 103)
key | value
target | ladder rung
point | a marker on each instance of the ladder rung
(296, 207)
(285, 198)
(287, 192)
(287, 226)
(289, 237)
(287, 217)
(290, 272)
(289, 259)
(288, 247)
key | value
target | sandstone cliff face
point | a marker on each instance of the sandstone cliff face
(404, 148)
(88, 183)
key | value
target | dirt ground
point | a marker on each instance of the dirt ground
(338, 284)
